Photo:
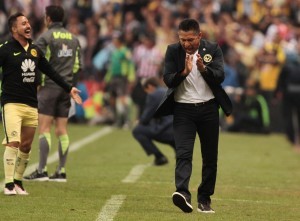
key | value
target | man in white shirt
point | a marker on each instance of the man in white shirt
(193, 72)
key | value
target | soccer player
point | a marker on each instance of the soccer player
(63, 52)
(21, 61)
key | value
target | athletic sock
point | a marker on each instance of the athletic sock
(9, 159)
(62, 170)
(63, 148)
(21, 164)
(45, 146)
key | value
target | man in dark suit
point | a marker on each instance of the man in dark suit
(151, 129)
(194, 72)
(288, 91)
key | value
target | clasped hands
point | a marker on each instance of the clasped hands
(189, 64)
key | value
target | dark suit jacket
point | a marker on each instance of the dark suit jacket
(174, 65)
(152, 102)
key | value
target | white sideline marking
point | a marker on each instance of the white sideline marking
(73, 147)
(248, 201)
(135, 173)
(111, 207)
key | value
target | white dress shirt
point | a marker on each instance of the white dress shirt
(194, 88)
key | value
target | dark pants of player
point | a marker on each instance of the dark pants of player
(146, 134)
(190, 119)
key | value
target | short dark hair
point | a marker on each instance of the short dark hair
(12, 20)
(154, 81)
(189, 24)
(55, 12)
(151, 36)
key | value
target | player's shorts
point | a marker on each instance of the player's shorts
(117, 86)
(15, 116)
(53, 102)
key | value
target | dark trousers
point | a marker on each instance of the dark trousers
(291, 115)
(202, 119)
(138, 96)
(146, 135)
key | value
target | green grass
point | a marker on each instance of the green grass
(258, 179)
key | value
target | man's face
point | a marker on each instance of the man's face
(189, 40)
(22, 28)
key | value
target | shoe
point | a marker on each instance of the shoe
(19, 188)
(37, 176)
(58, 177)
(9, 189)
(205, 208)
(180, 201)
(159, 161)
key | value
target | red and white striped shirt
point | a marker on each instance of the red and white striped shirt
(147, 60)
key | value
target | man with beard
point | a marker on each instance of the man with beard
(21, 62)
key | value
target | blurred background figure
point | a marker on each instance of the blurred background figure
(148, 60)
(150, 129)
(288, 90)
(251, 112)
(119, 79)
(270, 60)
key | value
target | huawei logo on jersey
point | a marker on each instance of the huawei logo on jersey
(28, 64)
(28, 67)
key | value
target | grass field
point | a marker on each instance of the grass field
(258, 179)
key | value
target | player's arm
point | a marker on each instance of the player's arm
(3, 53)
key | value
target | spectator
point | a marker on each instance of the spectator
(288, 90)
(147, 58)
(119, 78)
(270, 61)
(252, 112)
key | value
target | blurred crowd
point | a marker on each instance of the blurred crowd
(124, 41)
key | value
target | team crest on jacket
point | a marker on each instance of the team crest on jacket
(207, 58)
(33, 52)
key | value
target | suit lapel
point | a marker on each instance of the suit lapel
(181, 59)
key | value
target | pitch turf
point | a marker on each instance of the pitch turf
(258, 179)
